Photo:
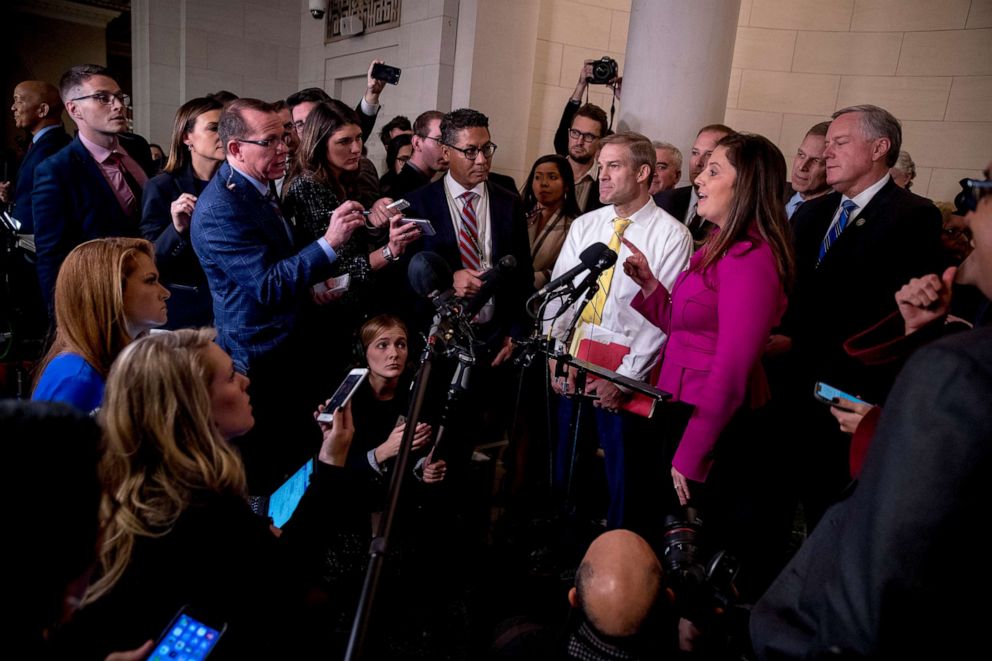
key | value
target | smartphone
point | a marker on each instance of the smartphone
(340, 283)
(398, 205)
(186, 637)
(386, 73)
(344, 392)
(826, 394)
(425, 225)
(283, 501)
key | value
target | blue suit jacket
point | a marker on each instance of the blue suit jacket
(73, 203)
(258, 278)
(49, 143)
(508, 232)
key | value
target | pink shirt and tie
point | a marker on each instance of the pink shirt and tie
(110, 161)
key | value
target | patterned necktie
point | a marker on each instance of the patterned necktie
(593, 312)
(836, 228)
(132, 184)
(468, 235)
(273, 201)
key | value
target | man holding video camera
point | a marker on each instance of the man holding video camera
(581, 128)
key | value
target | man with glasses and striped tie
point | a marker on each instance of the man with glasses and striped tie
(855, 248)
(91, 188)
(626, 167)
(477, 224)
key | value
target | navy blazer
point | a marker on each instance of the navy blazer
(894, 238)
(508, 234)
(179, 268)
(675, 201)
(258, 278)
(73, 203)
(48, 144)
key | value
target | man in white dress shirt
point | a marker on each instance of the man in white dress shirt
(626, 163)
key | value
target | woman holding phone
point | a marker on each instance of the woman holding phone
(718, 316)
(178, 530)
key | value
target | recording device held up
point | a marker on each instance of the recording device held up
(386, 73)
(604, 71)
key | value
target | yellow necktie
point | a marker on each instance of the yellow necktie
(593, 312)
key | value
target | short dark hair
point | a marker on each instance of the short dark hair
(312, 94)
(78, 75)
(596, 114)
(223, 96)
(458, 120)
(401, 122)
(280, 105)
(716, 128)
(420, 125)
(878, 123)
(819, 129)
(232, 123)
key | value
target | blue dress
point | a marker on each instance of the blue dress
(69, 378)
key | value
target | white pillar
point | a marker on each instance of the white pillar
(677, 67)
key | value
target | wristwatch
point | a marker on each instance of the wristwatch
(387, 254)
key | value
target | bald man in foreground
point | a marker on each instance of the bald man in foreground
(37, 109)
(616, 588)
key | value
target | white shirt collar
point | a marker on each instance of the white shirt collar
(864, 197)
(457, 189)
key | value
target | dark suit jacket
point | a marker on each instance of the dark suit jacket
(258, 277)
(408, 180)
(675, 201)
(51, 142)
(895, 237)
(875, 578)
(508, 234)
(178, 266)
(73, 203)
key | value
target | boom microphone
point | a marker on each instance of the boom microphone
(429, 274)
(597, 258)
(492, 279)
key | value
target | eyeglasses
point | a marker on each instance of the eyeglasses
(472, 153)
(575, 134)
(268, 142)
(435, 138)
(106, 98)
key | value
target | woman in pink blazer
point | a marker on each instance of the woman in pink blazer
(719, 312)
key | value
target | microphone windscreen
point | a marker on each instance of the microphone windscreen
(591, 256)
(429, 273)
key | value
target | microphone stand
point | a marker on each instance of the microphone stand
(443, 341)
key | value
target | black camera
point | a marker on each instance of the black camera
(972, 190)
(604, 71)
(703, 590)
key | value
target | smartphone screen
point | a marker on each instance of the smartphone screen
(186, 638)
(826, 394)
(283, 501)
(343, 393)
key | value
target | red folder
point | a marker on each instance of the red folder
(610, 356)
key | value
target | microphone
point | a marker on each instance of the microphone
(597, 258)
(429, 274)
(491, 281)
